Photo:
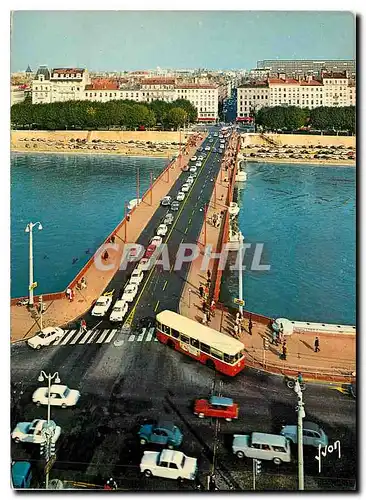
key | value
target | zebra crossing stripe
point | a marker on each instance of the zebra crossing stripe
(93, 336)
(59, 340)
(110, 336)
(102, 337)
(150, 334)
(131, 338)
(86, 336)
(76, 338)
(141, 336)
(68, 337)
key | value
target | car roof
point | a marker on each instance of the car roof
(58, 388)
(120, 303)
(103, 298)
(171, 456)
(218, 400)
(165, 424)
(263, 438)
(48, 329)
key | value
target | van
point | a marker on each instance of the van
(262, 447)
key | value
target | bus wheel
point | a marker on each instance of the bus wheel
(210, 364)
(170, 344)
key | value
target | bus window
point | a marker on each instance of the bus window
(229, 359)
(165, 329)
(215, 353)
(175, 333)
(195, 343)
(185, 339)
(205, 348)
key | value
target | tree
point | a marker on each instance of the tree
(188, 108)
(175, 118)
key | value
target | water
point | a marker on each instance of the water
(79, 201)
(306, 218)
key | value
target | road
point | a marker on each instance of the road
(125, 382)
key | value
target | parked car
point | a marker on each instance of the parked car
(190, 179)
(207, 148)
(216, 407)
(200, 158)
(165, 433)
(151, 249)
(129, 293)
(193, 169)
(174, 206)
(313, 435)
(262, 447)
(45, 337)
(185, 188)
(31, 432)
(169, 218)
(198, 164)
(162, 230)
(171, 464)
(194, 158)
(102, 305)
(144, 264)
(119, 311)
(60, 395)
(133, 252)
(136, 277)
(166, 201)
(180, 196)
(157, 241)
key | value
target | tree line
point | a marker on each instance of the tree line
(84, 115)
(294, 118)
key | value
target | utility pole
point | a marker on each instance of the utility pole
(41, 310)
(240, 273)
(256, 470)
(300, 416)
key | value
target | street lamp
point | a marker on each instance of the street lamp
(300, 416)
(189, 298)
(29, 229)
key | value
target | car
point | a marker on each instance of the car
(162, 230)
(166, 201)
(60, 395)
(198, 164)
(216, 134)
(194, 158)
(194, 174)
(190, 179)
(136, 277)
(45, 337)
(185, 187)
(168, 219)
(151, 249)
(132, 252)
(199, 150)
(144, 264)
(102, 305)
(207, 148)
(262, 446)
(164, 433)
(168, 463)
(216, 407)
(180, 196)
(157, 241)
(193, 169)
(31, 432)
(313, 434)
(119, 311)
(129, 293)
(201, 158)
(174, 206)
(185, 168)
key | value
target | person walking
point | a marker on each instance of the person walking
(250, 325)
(208, 274)
(83, 325)
(274, 337)
(284, 351)
(201, 291)
(236, 330)
(316, 345)
(213, 307)
(204, 319)
(204, 305)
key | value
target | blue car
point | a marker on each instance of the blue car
(163, 433)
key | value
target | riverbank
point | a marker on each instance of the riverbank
(310, 161)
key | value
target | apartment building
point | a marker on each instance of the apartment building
(59, 84)
(302, 67)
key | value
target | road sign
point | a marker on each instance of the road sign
(240, 302)
(49, 464)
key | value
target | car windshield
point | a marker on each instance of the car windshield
(66, 392)
(100, 303)
(118, 309)
(41, 335)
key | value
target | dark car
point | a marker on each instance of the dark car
(163, 433)
(174, 207)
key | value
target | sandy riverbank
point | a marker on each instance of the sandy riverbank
(315, 163)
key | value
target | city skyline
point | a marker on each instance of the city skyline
(122, 40)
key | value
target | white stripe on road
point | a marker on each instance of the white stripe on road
(93, 336)
(86, 336)
(59, 340)
(110, 336)
(68, 337)
(156, 340)
(141, 336)
(131, 338)
(102, 337)
(150, 334)
(77, 336)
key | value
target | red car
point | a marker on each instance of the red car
(216, 407)
(149, 251)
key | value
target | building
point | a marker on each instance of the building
(332, 89)
(59, 84)
(298, 67)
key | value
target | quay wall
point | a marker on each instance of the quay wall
(295, 139)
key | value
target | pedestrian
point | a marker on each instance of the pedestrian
(213, 307)
(83, 282)
(250, 325)
(201, 291)
(274, 337)
(208, 274)
(83, 325)
(284, 351)
(105, 255)
(113, 238)
(206, 290)
(204, 319)
(214, 219)
(316, 345)
(204, 305)
(236, 330)
(71, 295)
(128, 216)
(68, 291)
(208, 282)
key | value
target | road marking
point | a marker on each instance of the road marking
(102, 337)
(77, 336)
(193, 211)
(131, 338)
(68, 337)
(93, 336)
(156, 340)
(150, 334)
(59, 340)
(165, 284)
(141, 336)
(185, 231)
(86, 336)
(157, 304)
(110, 336)
(189, 221)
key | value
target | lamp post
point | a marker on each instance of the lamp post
(189, 298)
(240, 273)
(300, 416)
(29, 229)
(50, 429)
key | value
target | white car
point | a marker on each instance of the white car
(157, 241)
(60, 395)
(119, 311)
(162, 230)
(180, 196)
(136, 277)
(207, 148)
(169, 218)
(198, 164)
(200, 158)
(102, 305)
(45, 337)
(168, 463)
(129, 293)
(31, 432)
(194, 158)
(190, 179)
(193, 169)
(144, 264)
(185, 188)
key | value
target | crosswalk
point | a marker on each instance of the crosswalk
(94, 336)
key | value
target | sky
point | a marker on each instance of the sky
(132, 40)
